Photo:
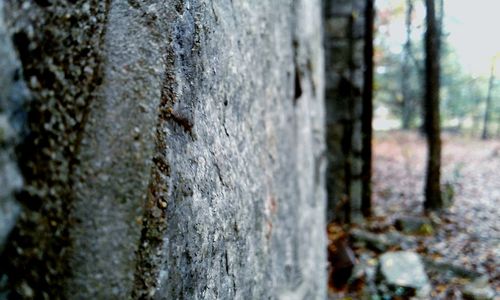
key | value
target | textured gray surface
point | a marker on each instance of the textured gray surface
(10, 177)
(115, 158)
(243, 189)
(182, 145)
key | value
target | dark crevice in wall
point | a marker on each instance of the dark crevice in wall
(151, 257)
(298, 85)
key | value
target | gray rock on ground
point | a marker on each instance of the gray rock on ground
(377, 242)
(449, 269)
(381, 242)
(414, 225)
(479, 289)
(403, 272)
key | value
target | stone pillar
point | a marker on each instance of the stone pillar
(344, 47)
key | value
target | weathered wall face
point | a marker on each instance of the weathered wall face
(344, 67)
(12, 93)
(175, 150)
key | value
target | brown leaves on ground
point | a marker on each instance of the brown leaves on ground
(465, 238)
(469, 231)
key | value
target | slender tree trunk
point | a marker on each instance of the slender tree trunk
(433, 199)
(406, 113)
(368, 109)
(438, 19)
(487, 110)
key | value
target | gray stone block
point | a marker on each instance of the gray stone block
(357, 137)
(337, 27)
(355, 200)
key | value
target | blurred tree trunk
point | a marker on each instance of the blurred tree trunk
(438, 19)
(406, 115)
(488, 108)
(368, 108)
(433, 199)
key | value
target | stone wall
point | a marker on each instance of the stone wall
(174, 150)
(345, 66)
(13, 94)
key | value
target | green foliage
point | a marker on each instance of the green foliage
(426, 229)
(389, 85)
(462, 95)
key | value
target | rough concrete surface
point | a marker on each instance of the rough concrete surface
(174, 150)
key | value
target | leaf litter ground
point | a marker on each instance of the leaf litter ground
(465, 238)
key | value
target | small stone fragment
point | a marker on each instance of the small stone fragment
(377, 242)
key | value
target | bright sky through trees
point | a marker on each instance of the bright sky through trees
(472, 28)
